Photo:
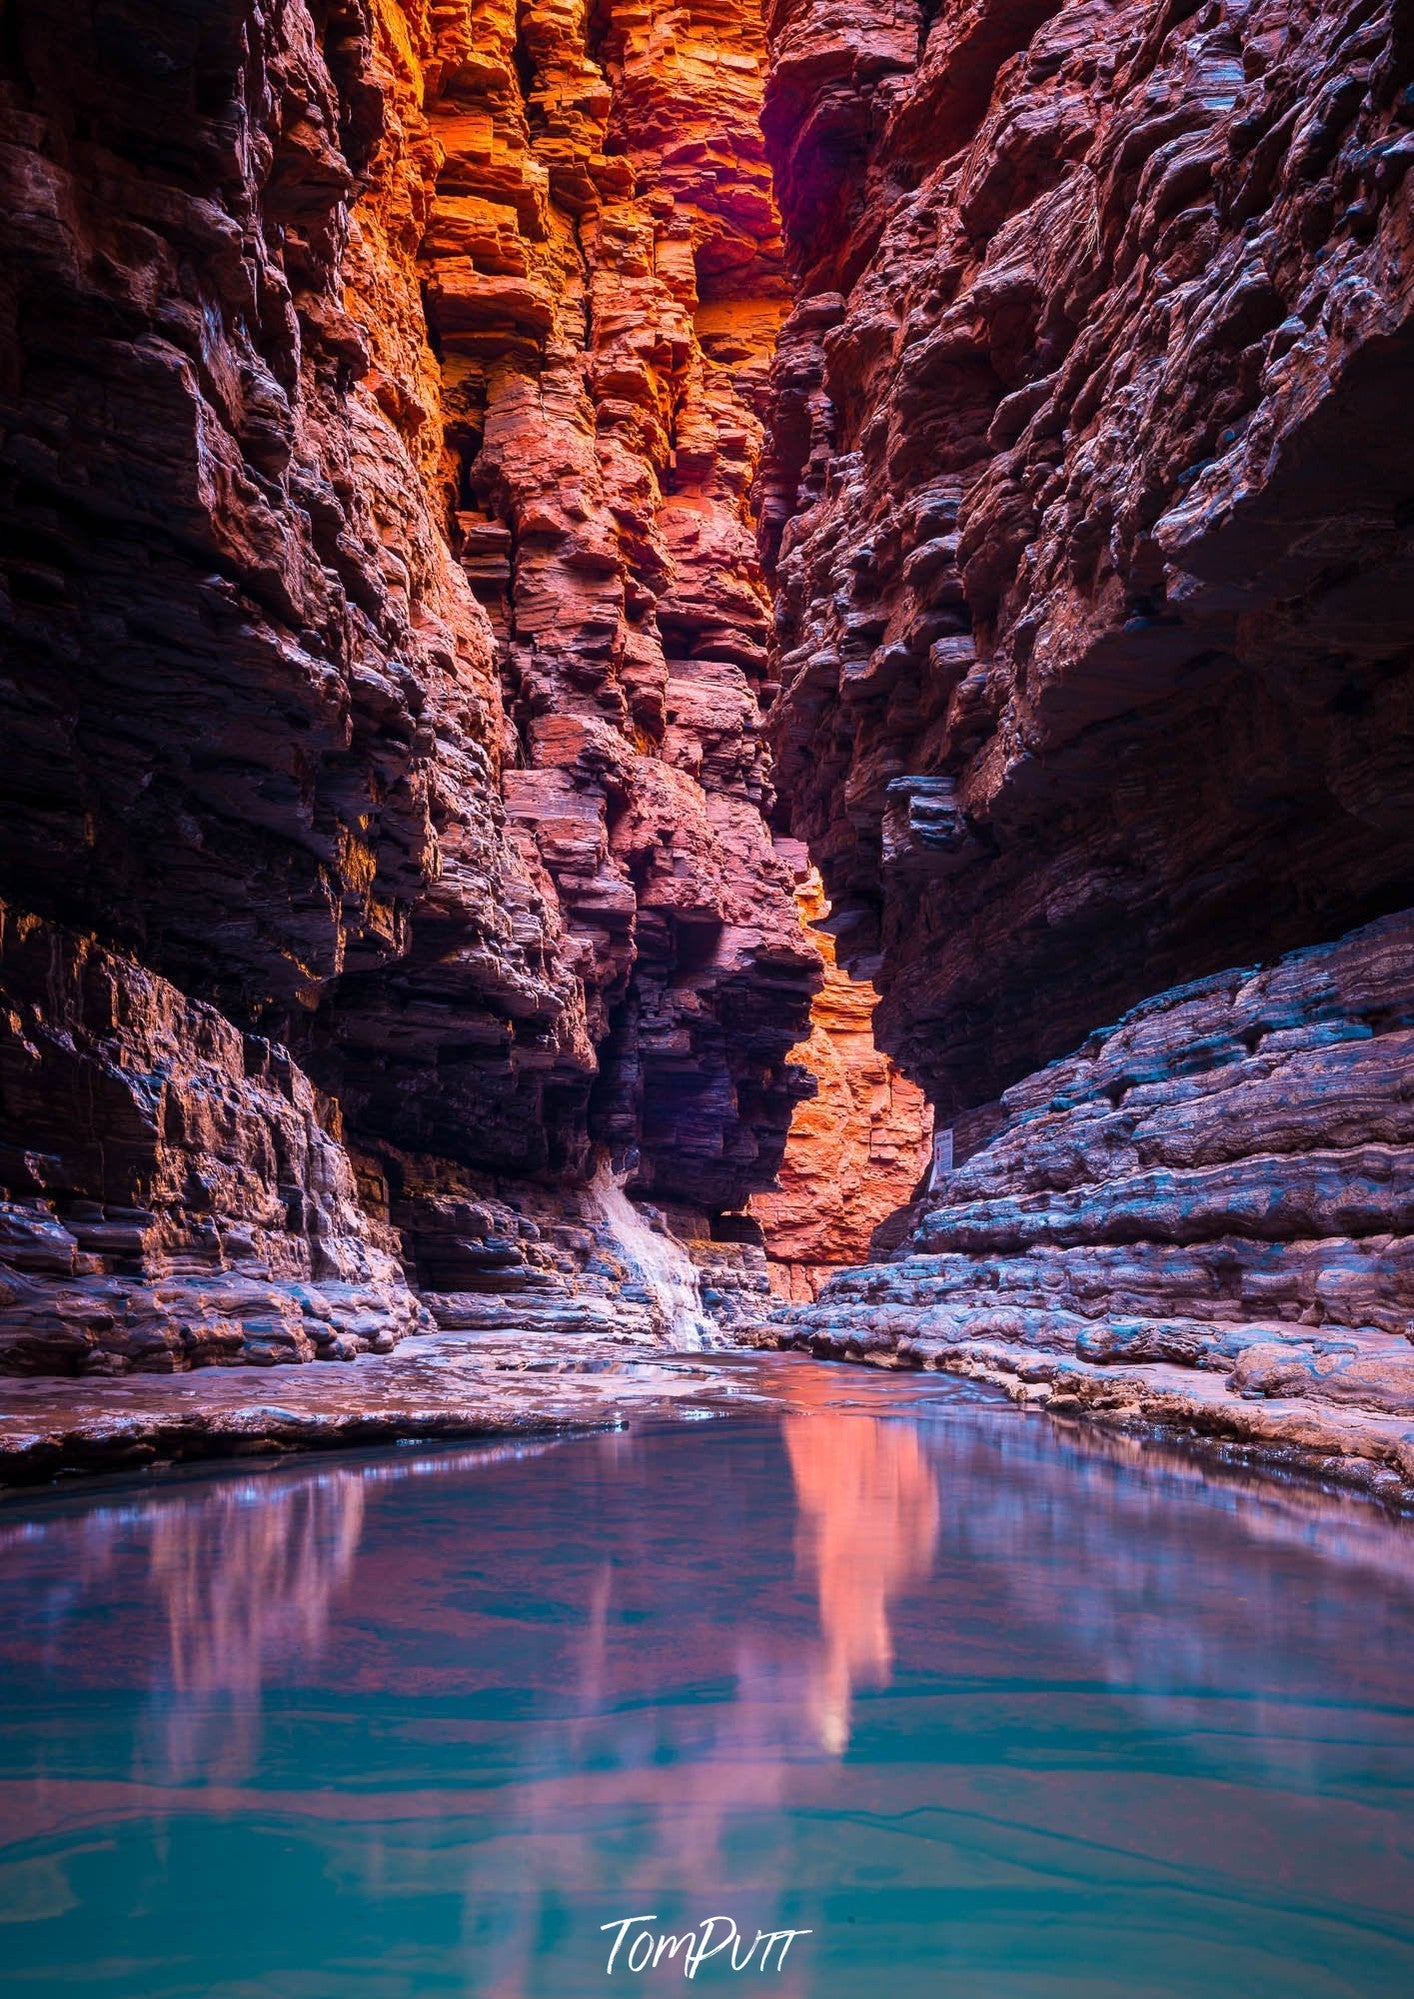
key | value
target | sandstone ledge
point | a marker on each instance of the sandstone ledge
(1353, 1446)
(437, 1387)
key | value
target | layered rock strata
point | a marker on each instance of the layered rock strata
(1210, 1204)
(1089, 499)
(254, 723)
(1089, 512)
(178, 1195)
(604, 285)
(857, 1150)
(384, 634)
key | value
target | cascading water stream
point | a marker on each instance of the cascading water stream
(664, 1266)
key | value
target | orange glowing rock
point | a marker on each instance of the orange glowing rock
(857, 1149)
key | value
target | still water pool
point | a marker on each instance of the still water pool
(992, 1710)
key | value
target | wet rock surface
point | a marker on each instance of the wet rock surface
(438, 1386)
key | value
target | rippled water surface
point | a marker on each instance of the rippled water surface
(988, 1708)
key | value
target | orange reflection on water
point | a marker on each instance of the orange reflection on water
(641, 1795)
(867, 1530)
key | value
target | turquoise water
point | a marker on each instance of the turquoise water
(987, 1708)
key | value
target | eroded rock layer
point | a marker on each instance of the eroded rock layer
(180, 1197)
(1090, 511)
(1090, 498)
(383, 630)
(1210, 1203)
(857, 1149)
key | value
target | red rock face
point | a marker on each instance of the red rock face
(1089, 507)
(181, 1195)
(603, 271)
(1089, 499)
(857, 1149)
(384, 632)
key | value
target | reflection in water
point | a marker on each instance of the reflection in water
(224, 1585)
(867, 1503)
(1098, 1725)
(246, 1578)
(866, 1506)
(240, 1578)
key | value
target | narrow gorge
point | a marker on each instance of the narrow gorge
(387, 859)
(707, 998)
(676, 678)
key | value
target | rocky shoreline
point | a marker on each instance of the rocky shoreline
(438, 1387)
(447, 1386)
(1358, 1449)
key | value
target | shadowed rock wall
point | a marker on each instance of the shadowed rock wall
(383, 630)
(1090, 511)
(184, 1199)
(1090, 499)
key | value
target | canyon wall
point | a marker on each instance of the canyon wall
(604, 285)
(857, 1150)
(1091, 514)
(384, 654)
(1089, 498)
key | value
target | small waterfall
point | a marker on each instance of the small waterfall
(664, 1266)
